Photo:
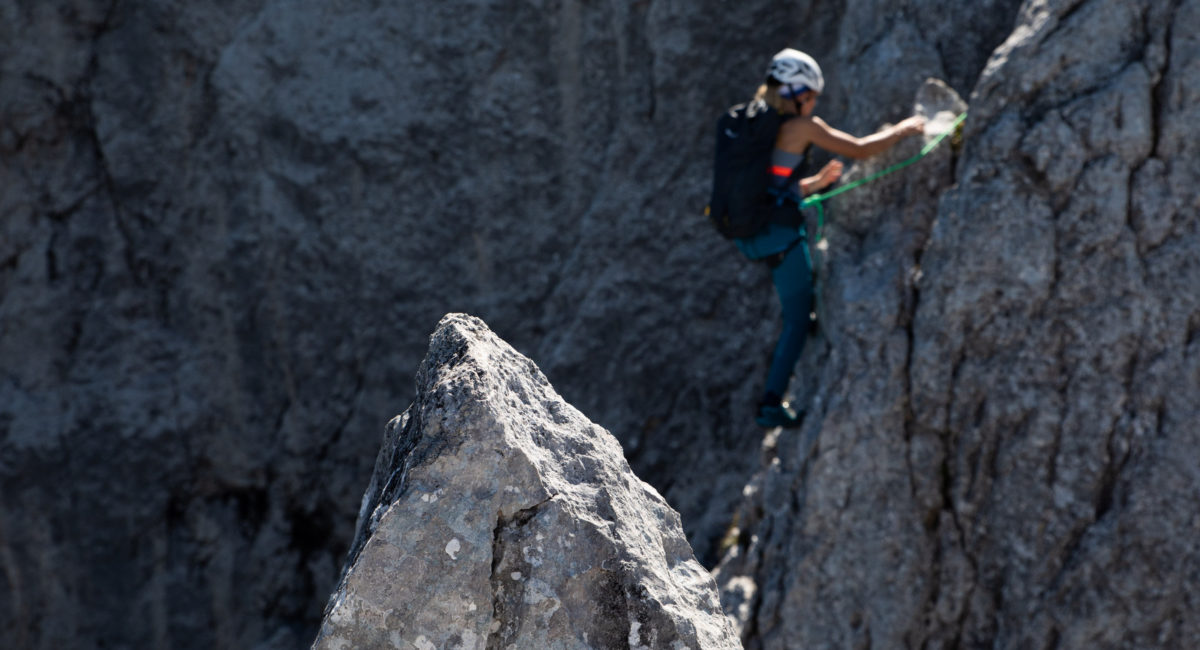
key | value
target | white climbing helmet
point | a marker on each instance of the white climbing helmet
(793, 67)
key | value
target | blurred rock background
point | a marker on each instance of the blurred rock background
(227, 230)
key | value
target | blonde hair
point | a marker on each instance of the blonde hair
(769, 93)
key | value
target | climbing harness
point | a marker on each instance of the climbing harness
(819, 199)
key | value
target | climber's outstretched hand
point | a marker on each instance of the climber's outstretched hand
(914, 125)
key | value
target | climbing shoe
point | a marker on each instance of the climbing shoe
(779, 415)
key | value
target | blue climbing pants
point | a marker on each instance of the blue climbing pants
(793, 283)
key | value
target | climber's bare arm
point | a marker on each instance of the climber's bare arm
(798, 133)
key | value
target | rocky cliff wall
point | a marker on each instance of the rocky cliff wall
(227, 230)
(1001, 456)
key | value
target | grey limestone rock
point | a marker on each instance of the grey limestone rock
(225, 229)
(498, 516)
(999, 453)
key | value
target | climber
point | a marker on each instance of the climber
(793, 84)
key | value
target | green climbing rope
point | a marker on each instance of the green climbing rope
(819, 199)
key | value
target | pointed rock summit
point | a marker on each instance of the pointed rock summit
(498, 516)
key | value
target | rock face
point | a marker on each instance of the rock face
(995, 455)
(499, 516)
(226, 230)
